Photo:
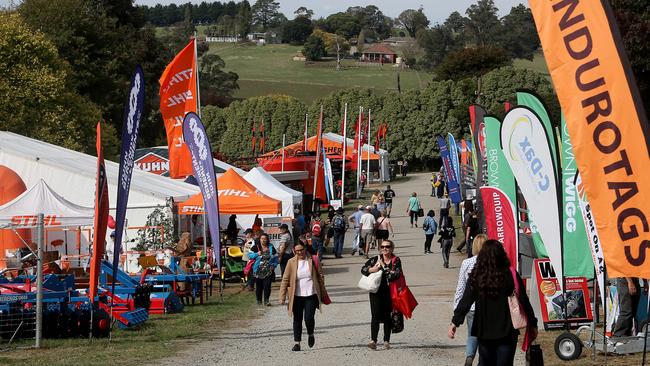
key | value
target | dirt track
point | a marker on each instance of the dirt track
(343, 328)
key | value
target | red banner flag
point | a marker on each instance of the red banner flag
(501, 221)
(262, 138)
(178, 97)
(101, 219)
(253, 138)
(357, 137)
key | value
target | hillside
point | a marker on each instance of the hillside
(270, 69)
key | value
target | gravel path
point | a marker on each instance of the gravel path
(343, 328)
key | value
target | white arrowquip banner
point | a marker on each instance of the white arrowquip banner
(527, 150)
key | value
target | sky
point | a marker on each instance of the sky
(436, 10)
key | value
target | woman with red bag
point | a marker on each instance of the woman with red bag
(380, 302)
(491, 284)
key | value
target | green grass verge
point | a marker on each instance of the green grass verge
(161, 336)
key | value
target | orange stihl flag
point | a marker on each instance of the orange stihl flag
(607, 124)
(178, 97)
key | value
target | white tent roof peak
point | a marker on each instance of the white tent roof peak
(76, 163)
(271, 187)
(40, 198)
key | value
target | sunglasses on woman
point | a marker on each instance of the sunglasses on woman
(385, 247)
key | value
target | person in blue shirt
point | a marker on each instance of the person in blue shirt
(430, 227)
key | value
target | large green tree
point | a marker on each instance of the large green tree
(102, 49)
(483, 27)
(412, 20)
(470, 62)
(36, 94)
(265, 13)
(519, 37)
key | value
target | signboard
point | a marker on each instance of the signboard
(546, 297)
(271, 226)
(153, 163)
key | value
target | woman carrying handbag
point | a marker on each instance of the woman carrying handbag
(493, 286)
(380, 302)
(303, 283)
(414, 208)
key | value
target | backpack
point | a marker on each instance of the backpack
(315, 228)
(338, 223)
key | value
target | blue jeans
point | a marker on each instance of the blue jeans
(472, 342)
(339, 236)
(498, 352)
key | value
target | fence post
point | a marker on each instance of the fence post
(39, 280)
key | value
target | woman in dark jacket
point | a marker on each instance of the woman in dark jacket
(490, 284)
(381, 305)
(447, 235)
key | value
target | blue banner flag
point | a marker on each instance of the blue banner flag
(452, 183)
(203, 168)
(453, 154)
(130, 131)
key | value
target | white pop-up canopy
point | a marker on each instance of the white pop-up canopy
(22, 211)
(271, 187)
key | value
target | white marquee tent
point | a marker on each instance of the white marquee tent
(21, 212)
(72, 175)
(271, 187)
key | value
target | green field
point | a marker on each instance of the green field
(538, 64)
(270, 70)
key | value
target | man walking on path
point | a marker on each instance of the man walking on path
(339, 225)
(445, 205)
(389, 194)
(355, 219)
(367, 223)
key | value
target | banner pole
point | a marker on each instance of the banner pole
(344, 151)
(196, 65)
(368, 156)
(284, 136)
(605, 319)
(358, 157)
(647, 327)
(39, 280)
(306, 133)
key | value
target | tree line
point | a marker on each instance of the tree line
(65, 65)
(414, 117)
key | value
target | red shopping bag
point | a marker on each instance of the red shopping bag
(249, 267)
(402, 297)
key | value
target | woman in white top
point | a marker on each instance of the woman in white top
(465, 269)
(303, 284)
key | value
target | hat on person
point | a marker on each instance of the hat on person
(339, 210)
(368, 208)
(248, 231)
(360, 207)
(284, 226)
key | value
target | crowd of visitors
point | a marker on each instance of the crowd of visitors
(485, 281)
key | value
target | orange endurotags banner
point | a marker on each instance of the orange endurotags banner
(606, 122)
(177, 97)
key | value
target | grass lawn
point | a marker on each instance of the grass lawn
(161, 336)
(537, 64)
(270, 69)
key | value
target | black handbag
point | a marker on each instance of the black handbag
(534, 356)
(397, 319)
(420, 212)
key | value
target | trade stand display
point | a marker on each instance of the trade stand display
(20, 213)
(271, 187)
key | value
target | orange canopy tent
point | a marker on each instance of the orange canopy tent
(236, 196)
(331, 148)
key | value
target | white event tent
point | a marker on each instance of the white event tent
(271, 187)
(72, 175)
(41, 199)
